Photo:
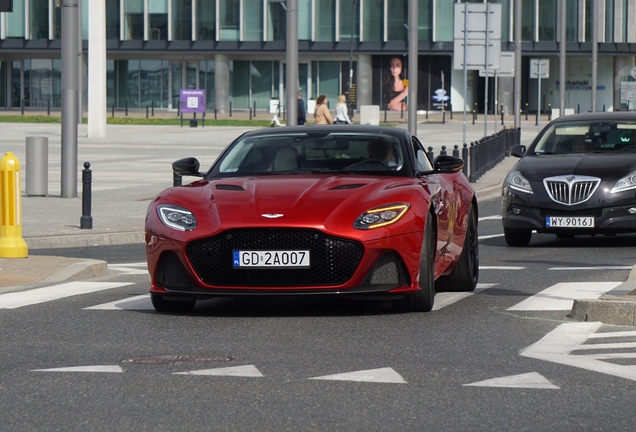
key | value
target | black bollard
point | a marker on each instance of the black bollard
(430, 153)
(456, 150)
(147, 111)
(126, 107)
(153, 107)
(214, 113)
(473, 116)
(443, 116)
(465, 157)
(401, 111)
(230, 108)
(254, 109)
(526, 110)
(48, 107)
(443, 152)
(578, 108)
(86, 221)
(384, 116)
(113, 111)
(22, 106)
(250, 114)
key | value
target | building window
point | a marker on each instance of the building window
(206, 20)
(548, 14)
(572, 21)
(15, 21)
(158, 19)
(277, 21)
(41, 82)
(397, 17)
(112, 19)
(609, 21)
(527, 20)
(505, 18)
(304, 20)
(39, 17)
(589, 17)
(349, 20)
(326, 80)
(229, 20)
(206, 81)
(182, 19)
(445, 14)
(253, 20)
(133, 19)
(373, 20)
(425, 24)
(325, 20)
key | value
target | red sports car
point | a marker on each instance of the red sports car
(340, 210)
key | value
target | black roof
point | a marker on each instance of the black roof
(598, 117)
(325, 129)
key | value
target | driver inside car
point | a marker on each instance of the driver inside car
(381, 150)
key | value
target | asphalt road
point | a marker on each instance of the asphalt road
(433, 364)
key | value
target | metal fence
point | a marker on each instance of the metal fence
(483, 155)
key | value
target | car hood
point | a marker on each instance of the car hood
(604, 166)
(330, 201)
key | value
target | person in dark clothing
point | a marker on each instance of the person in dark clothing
(302, 115)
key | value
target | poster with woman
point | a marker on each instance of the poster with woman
(394, 92)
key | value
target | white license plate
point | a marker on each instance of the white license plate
(569, 222)
(270, 258)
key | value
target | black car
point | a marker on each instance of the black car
(578, 177)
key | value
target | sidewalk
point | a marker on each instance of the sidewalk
(130, 166)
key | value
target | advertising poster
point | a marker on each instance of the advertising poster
(390, 82)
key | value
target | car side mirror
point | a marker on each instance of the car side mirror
(187, 167)
(448, 164)
(518, 151)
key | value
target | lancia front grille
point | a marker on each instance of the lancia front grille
(571, 189)
(333, 260)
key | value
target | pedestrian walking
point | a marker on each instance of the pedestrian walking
(342, 116)
(321, 113)
(302, 114)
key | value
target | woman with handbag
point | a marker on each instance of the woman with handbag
(321, 113)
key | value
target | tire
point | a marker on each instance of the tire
(466, 274)
(178, 305)
(517, 237)
(422, 301)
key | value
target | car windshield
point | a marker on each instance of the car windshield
(588, 137)
(312, 153)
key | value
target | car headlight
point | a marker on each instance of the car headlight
(378, 217)
(518, 182)
(626, 183)
(176, 217)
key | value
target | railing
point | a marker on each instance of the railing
(485, 154)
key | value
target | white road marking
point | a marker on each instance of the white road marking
(382, 375)
(501, 268)
(106, 368)
(130, 268)
(528, 380)
(140, 302)
(40, 295)
(562, 295)
(489, 236)
(594, 268)
(239, 371)
(564, 344)
(444, 299)
(495, 217)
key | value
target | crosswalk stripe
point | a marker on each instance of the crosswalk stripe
(562, 295)
(104, 368)
(489, 236)
(40, 295)
(501, 268)
(444, 299)
(382, 375)
(594, 268)
(238, 371)
(528, 380)
(485, 218)
(140, 302)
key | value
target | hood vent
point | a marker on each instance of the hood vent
(349, 186)
(229, 187)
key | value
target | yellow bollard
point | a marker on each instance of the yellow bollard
(12, 245)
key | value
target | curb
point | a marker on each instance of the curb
(86, 269)
(84, 240)
(619, 309)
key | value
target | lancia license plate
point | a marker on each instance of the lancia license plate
(270, 258)
(569, 222)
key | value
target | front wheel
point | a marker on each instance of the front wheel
(172, 304)
(517, 237)
(464, 277)
(422, 301)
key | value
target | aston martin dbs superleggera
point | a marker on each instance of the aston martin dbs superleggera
(342, 210)
(578, 177)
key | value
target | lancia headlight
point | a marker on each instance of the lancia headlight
(378, 217)
(626, 183)
(176, 217)
(518, 182)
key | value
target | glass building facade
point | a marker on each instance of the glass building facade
(155, 48)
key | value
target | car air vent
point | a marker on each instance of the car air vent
(349, 186)
(229, 187)
(571, 189)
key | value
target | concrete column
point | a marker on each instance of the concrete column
(364, 83)
(222, 83)
(622, 66)
(97, 69)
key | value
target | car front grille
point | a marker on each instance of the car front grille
(333, 260)
(594, 212)
(571, 189)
